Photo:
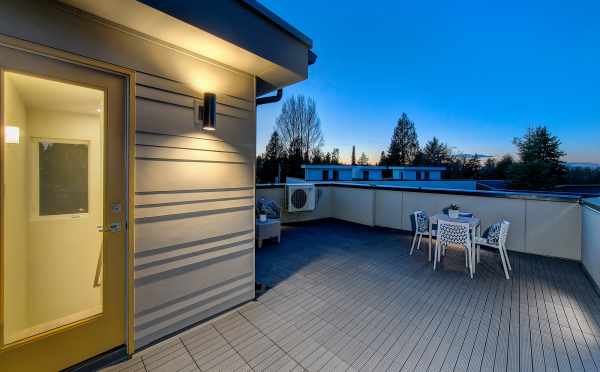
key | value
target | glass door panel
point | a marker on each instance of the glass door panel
(54, 204)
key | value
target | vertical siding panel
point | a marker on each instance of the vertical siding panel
(194, 217)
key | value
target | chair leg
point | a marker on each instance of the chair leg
(504, 264)
(478, 250)
(469, 256)
(430, 244)
(435, 255)
(506, 256)
(419, 242)
(412, 245)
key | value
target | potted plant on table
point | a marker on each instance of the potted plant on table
(262, 214)
(453, 211)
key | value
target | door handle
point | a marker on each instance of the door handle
(113, 228)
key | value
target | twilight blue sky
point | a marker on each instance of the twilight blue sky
(473, 73)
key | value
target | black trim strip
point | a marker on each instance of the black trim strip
(179, 216)
(146, 158)
(190, 191)
(185, 148)
(192, 254)
(193, 294)
(190, 107)
(194, 97)
(176, 135)
(174, 247)
(183, 86)
(140, 282)
(491, 194)
(188, 202)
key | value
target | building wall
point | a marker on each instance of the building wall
(410, 175)
(544, 227)
(314, 174)
(375, 175)
(590, 245)
(194, 196)
(345, 175)
(194, 253)
(435, 175)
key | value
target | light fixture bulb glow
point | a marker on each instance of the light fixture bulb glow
(11, 134)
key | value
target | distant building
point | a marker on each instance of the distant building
(417, 173)
(328, 172)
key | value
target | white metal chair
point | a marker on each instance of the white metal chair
(421, 229)
(455, 234)
(495, 237)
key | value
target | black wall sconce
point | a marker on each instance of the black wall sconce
(206, 115)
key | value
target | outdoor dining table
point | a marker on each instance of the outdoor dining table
(474, 227)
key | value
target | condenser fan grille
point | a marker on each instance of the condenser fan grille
(299, 198)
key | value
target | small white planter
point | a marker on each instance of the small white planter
(453, 213)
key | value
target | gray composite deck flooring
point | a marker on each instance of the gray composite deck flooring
(349, 297)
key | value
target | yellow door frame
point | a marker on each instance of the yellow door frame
(130, 75)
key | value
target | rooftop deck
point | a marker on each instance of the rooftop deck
(348, 296)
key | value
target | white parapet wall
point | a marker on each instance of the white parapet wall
(590, 241)
(544, 225)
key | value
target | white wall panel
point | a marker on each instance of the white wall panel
(354, 205)
(554, 229)
(590, 245)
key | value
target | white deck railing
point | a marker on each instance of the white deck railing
(540, 224)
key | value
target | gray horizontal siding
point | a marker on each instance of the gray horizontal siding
(194, 209)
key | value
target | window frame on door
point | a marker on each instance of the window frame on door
(35, 177)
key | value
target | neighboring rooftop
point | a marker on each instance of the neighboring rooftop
(374, 167)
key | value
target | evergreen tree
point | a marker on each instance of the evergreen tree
(353, 155)
(471, 167)
(335, 156)
(274, 150)
(541, 166)
(382, 159)
(488, 171)
(272, 160)
(259, 169)
(436, 152)
(404, 145)
(364, 159)
(317, 156)
(503, 166)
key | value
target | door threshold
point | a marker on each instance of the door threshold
(113, 356)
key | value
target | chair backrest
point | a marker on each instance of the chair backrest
(421, 221)
(498, 233)
(505, 225)
(455, 233)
